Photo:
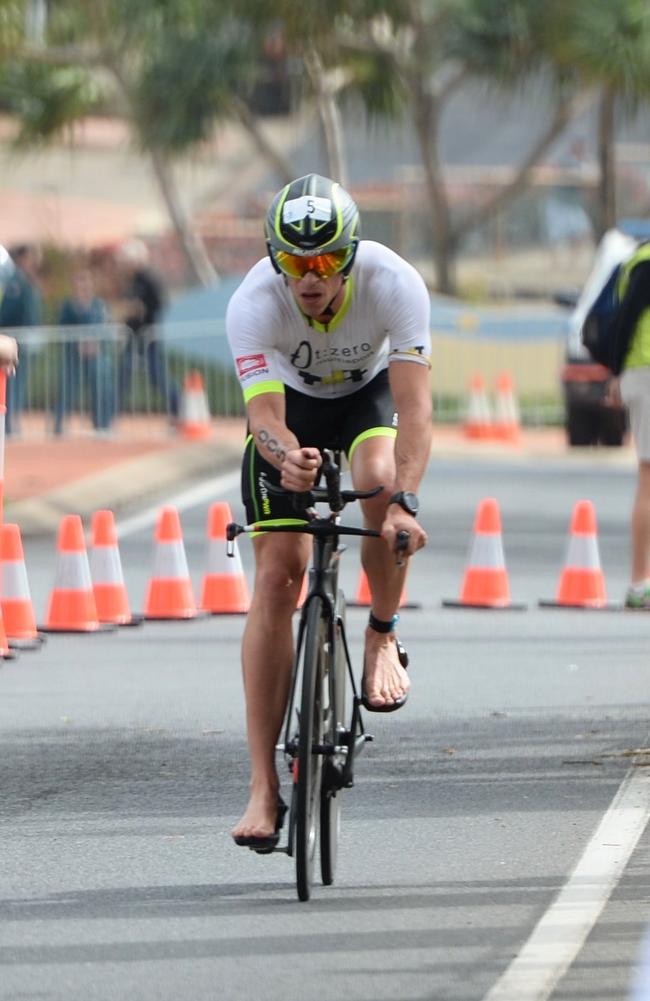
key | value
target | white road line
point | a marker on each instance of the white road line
(561, 932)
(198, 494)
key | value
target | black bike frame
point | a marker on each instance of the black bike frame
(323, 584)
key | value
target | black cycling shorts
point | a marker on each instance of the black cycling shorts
(340, 423)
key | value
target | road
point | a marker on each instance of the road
(122, 766)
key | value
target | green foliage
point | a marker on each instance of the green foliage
(46, 100)
(188, 83)
(607, 42)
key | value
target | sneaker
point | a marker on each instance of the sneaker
(638, 597)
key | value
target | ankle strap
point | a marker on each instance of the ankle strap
(381, 625)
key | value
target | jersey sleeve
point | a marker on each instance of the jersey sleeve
(407, 313)
(252, 348)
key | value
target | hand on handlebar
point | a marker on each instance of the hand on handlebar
(300, 468)
(397, 522)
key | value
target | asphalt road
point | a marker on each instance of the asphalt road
(122, 769)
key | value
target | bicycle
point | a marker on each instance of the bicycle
(319, 748)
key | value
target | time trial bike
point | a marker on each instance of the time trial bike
(320, 740)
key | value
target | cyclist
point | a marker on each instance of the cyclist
(331, 341)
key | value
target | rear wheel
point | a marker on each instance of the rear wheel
(308, 765)
(330, 797)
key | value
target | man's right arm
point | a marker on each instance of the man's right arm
(278, 445)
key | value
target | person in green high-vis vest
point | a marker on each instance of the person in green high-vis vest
(632, 361)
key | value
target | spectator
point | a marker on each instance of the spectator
(21, 307)
(632, 360)
(85, 361)
(143, 303)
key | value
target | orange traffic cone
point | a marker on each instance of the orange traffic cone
(363, 597)
(224, 590)
(506, 426)
(5, 651)
(485, 582)
(17, 609)
(169, 590)
(195, 412)
(582, 582)
(71, 607)
(478, 422)
(109, 589)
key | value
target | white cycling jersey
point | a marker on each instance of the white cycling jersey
(384, 317)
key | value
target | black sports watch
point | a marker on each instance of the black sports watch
(406, 500)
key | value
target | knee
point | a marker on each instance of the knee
(279, 584)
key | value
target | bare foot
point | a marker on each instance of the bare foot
(384, 679)
(260, 816)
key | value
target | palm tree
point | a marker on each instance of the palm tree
(195, 70)
(416, 54)
(608, 45)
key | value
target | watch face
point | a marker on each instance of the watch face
(410, 502)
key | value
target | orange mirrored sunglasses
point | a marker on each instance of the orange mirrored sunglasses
(323, 265)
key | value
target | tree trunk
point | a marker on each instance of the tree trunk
(426, 127)
(199, 266)
(564, 112)
(606, 159)
(250, 123)
(330, 116)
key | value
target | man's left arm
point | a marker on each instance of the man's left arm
(410, 384)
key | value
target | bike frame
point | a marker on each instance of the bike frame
(323, 584)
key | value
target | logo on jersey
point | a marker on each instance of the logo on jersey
(415, 352)
(249, 365)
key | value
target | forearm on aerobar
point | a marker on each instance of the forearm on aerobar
(273, 440)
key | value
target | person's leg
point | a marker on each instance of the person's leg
(91, 375)
(267, 654)
(641, 526)
(159, 376)
(125, 374)
(16, 393)
(372, 463)
(635, 392)
(68, 384)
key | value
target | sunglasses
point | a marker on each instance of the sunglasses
(323, 265)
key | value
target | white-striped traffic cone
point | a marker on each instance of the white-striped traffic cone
(485, 581)
(15, 597)
(582, 581)
(111, 597)
(169, 590)
(71, 607)
(224, 590)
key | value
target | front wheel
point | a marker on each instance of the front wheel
(331, 792)
(308, 763)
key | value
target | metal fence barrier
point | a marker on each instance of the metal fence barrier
(105, 380)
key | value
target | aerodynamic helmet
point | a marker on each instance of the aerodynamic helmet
(315, 218)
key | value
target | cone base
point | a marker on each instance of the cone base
(24, 643)
(170, 598)
(596, 606)
(149, 617)
(224, 594)
(485, 586)
(581, 587)
(511, 606)
(70, 629)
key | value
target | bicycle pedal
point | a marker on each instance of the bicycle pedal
(368, 737)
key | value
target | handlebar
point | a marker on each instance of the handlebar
(303, 502)
(330, 493)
